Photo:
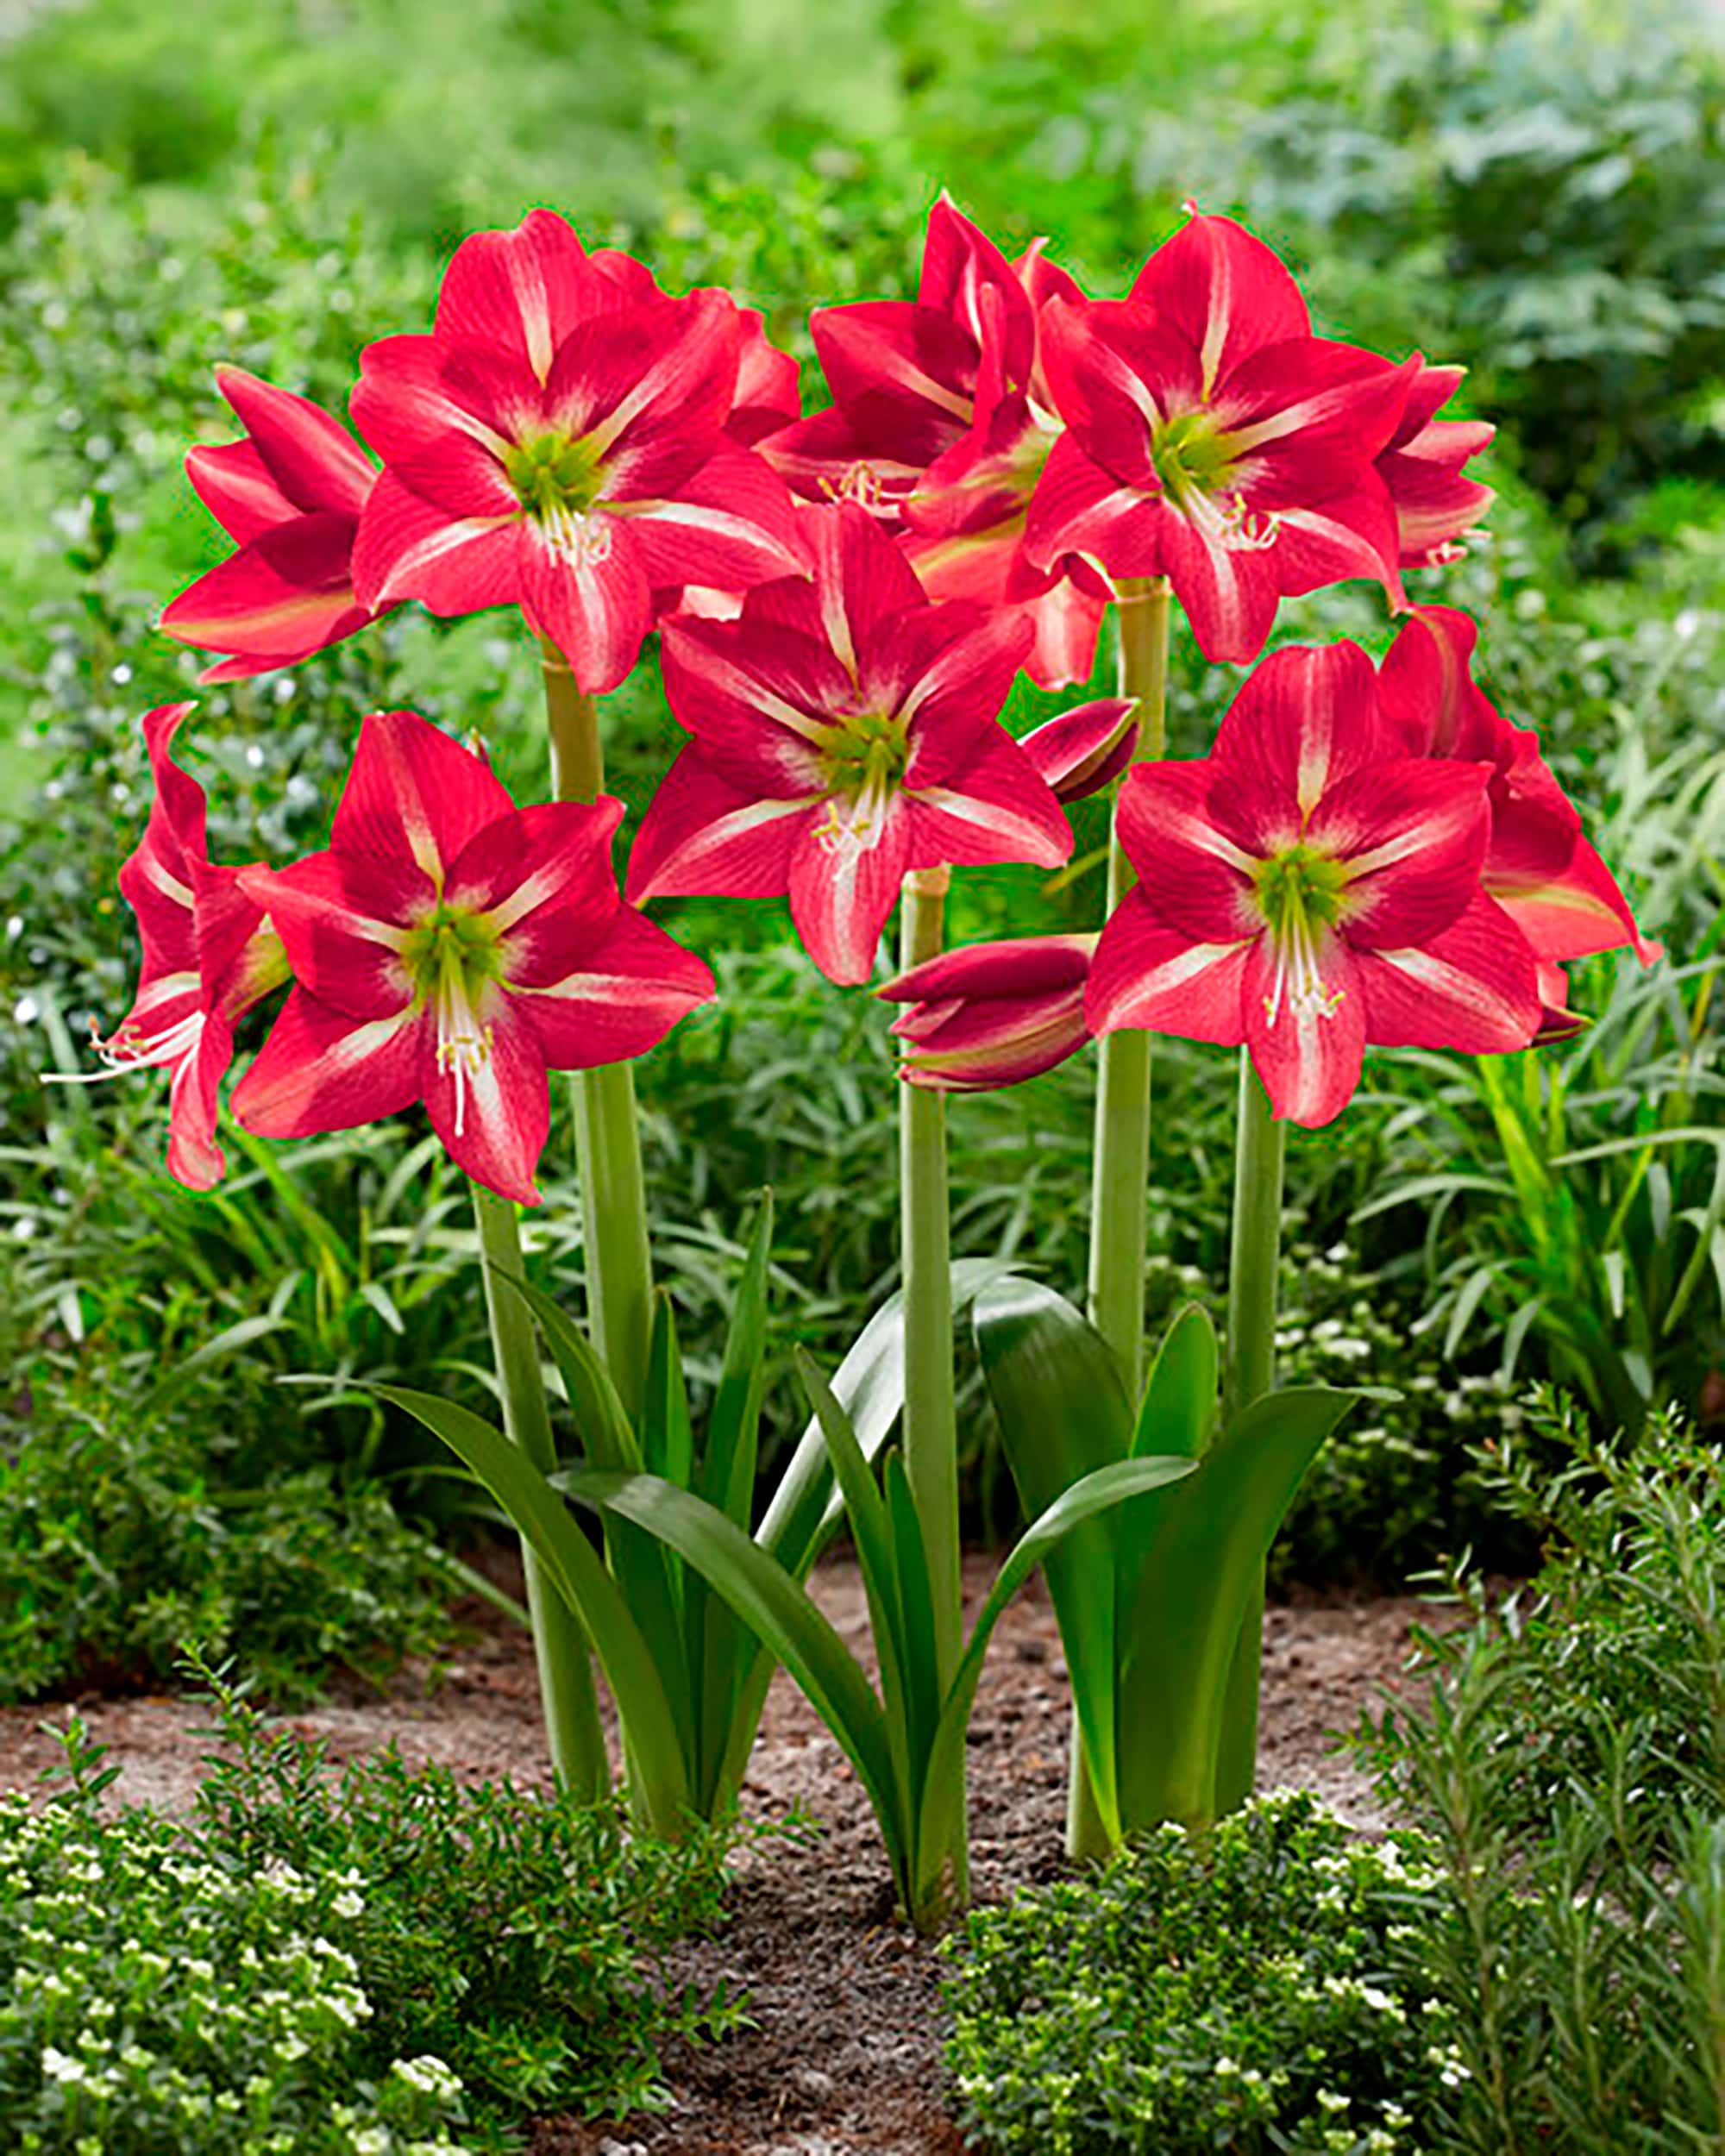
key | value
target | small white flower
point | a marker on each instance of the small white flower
(58, 2067)
(348, 1905)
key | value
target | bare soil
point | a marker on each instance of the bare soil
(843, 2059)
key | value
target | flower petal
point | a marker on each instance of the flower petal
(1225, 290)
(757, 697)
(407, 547)
(1307, 1038)
(948, 671)
(1079, 751)
(841, 896)
(1413, 835)
(494, 1120)
(194, 1103)
(234, 484)
(282, 595)
(1156, 979)
(522, 291)
(1195, 875)
(731, 525)
(597, 608)
(543, 879)
(703, 836)
(309, 453)
(993, 808)
(1229, 589)
(1303, 721)
(1078, 508)
(323, 1069)
(340, 919)
(414, 798)
(632, 988)
(1475, 988)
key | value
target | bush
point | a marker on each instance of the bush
(126, 1528)
(1569, 1765)
(387, 1962)
(1229, 1989)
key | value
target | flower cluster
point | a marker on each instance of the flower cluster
(844, 600)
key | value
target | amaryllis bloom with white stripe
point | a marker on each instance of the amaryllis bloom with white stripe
(208, 955)
(290, 496)
(559, 442)
(1212, 439)
(450, 948)
(941, 423)
(1310, 887)
(1538, 866)
(1424, 466)
(993, 1014)
(844, 732)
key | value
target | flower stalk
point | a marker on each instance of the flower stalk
(1121, 1182)
(619, 1274)
(560, 1645)
(931, 1430)
(1249, 1372)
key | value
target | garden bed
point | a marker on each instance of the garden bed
(846, 2053)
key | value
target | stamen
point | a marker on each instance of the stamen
(861, 483)
(131, 1048)
(464, 1041)
(582, 541)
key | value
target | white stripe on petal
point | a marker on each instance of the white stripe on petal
(435, 544)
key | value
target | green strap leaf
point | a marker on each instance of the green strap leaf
(1205, 1562)
(764, 1593)
(601, 1421)
(1064, 1413)
(666, 1433)
(574, 1568)
(1092, 1494)
(734, 1425)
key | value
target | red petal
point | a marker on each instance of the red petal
(343, 921)
(840, 899)
(1426, 688)
(703, 836)
(1197, 876)
(769, 395)
(649, 389)
(405, 407)
(1313, 410)
(1226, 292)
(544, 877)
(1303, 721)
(992, 808)
(757, 697)
(407, 547)
(1230, 591)
(194, 1102)
(1474, 987)
(234, 484)
(631, 988)
(1116, 372)
(1016, 969)
(597, 611)
(905, 375)
(1079, 751)
(825, 457)
(1573, 913)
(522, 291)
(1308, 1048)
(494, 1121)
(282, 595)
(1349, 534)
(1078, 508)
(731, 525)
(1413, 835)
(323, 1070)
(948, 671)
(966, 277)
(414, 798)
(313, 459)
(1152, 978)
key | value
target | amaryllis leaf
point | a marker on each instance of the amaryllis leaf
(764, 1594)
(575, 1570)
(733, 1426)
(1090, 1495)
(1063, 1414)
(1194, 1581)
(916, 1614)
(667, 1434)
(600, 1421)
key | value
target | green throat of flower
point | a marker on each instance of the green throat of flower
(557, 480)
(1300, 893)
(864, 756)
(453, 960)
(1193, 457)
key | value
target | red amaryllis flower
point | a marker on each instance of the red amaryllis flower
(209, 957)
(941, 423)
(559, 443)
(1538, 866)
(844, 733)
(994, 1014)
(1310, 887)
(290, 496)
(1436, 504)
(450, 948)
(1213, 439)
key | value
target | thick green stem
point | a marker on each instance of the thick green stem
(1254, 1256)
(619, 1272)
(931, 1428)
(560, 1645)
(1121, 1182)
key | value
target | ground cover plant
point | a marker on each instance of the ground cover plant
(384, 1960)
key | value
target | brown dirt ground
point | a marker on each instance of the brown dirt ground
(843, 2057)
